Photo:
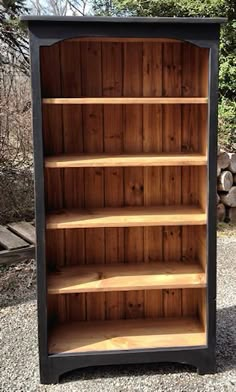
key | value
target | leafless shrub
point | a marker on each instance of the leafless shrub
(16, 163)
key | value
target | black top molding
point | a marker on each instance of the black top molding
(107, 19)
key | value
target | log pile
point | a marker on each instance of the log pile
(226, 187)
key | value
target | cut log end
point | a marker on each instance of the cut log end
(225, 181)
(221, 212)
(223, 160)
(229, 199)
(232, 162)
(231, 214)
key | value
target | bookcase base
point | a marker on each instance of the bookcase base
(57, 365)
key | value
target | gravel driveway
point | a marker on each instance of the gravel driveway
(18, 343)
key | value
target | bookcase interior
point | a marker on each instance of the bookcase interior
(125, 193)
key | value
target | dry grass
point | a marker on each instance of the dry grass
(226, 230)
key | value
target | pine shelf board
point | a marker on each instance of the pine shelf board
(125, 277)
(124, 160)
(125, 100)
(126, 217)
(85, 336)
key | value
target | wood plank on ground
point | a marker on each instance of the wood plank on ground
(9, 240)
(25, 230)
(14, 256)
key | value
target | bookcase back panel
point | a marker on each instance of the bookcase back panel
(126, 246)
(116, 69)
(124, 69)
(93, 68)
(143, 304)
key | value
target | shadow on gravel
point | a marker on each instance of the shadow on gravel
(128, 371)
(225, 357)
(226, 339)
(17, 284)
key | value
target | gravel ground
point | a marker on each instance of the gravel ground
(18, 343)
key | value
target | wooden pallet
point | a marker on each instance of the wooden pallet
(17, 242)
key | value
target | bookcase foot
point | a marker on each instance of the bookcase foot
(206, 369)
(49, 378)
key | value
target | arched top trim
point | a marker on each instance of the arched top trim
(76, 38)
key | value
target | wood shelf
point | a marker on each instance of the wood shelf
(126, 277)
(124, 160)
(126, 334)
(126, 217)
(125, 100)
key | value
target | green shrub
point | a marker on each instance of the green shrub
(227, 124)
(195, 8)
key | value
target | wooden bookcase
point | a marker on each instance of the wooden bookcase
(124, 125)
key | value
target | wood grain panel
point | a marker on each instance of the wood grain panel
(112, 58)
(91, 77)
(133, 177)
(126, 217)
(112, 277)
(152, 142)
(128, 100)
(172, 70)
(153, 159)
(123, 75)
(191, 86)
(73, 178)
(126, 334)
(53, 180)
(204, 90)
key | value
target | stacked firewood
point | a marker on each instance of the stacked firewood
(226, 186)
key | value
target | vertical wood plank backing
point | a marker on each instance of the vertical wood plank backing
(204, 71)
(190, 244)
(190, 302)
(190, 120)
(94, 238)
(202, 304)
(91, 79)
(203, 128)
(202, 184)
(53, 180)
(112, 55)
(202, 250)
(190, 70)
(91, 85)
(133, 177)
(152, 142)
(51, 87)
(191, 142)
(171, 141)
(203, 85)
(73, 178)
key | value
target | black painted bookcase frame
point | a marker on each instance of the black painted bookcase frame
(202, 32)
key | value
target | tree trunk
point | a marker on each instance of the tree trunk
(229, 199)
(225, 181)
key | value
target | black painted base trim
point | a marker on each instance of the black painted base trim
(56, 365)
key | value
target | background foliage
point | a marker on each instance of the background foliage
(196, 8)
